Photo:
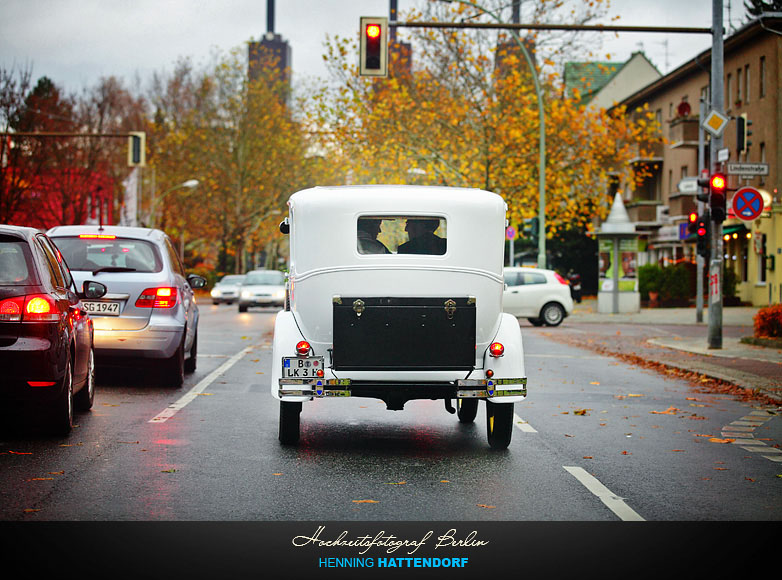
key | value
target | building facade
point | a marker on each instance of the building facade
(660, 198)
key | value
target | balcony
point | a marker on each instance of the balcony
(684, 132)
(642, 211)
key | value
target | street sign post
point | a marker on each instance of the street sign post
(747, 204)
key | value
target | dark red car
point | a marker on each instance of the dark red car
(46, 336)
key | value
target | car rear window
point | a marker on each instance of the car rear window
(270, 278)
(14, 270)
(91, 254)
(401, 235)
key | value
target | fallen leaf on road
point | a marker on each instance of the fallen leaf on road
(594, 383)
(488, 507)
(396, 483)
(718, 440)
(30, 510)
(41, 478)
(669, 411)
(749, 479)
(365, 501)
(168, 471)
(678, 450)
(581, 411)
(588, 457)
(626, 453)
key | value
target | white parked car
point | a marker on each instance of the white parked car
(227, 289)
(539, 295)
(395, 293)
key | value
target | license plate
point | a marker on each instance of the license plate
(102, 308)
(301, 367)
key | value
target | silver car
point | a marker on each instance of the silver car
(262, 288)
(149, 311)
(227, 289)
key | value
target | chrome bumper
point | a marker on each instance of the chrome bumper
(461, 389)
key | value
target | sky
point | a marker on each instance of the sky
(76, 42)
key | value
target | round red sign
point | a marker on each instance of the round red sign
(747, 204)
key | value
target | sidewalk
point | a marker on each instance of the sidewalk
(684, 346)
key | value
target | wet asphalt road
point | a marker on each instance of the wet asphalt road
(596, 440)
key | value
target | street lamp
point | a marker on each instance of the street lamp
(189, 184)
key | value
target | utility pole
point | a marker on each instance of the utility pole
(701, 206)
(718, 104)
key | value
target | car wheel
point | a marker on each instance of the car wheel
(552, 314)
(84, 398)
(62, 412)
(290, 414)
(174, 367)
(466, 410)
(499, 424)
(242, 308)
(536, 321)
(215, 302)
(190, 363)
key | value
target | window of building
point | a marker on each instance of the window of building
(762, 76)
(728, 90)
(746, 84)
(738, 86)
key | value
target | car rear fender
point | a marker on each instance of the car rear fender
(286, 335)
(511, 363)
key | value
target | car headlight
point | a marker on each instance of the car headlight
(215, 292)
(279, 294)
(245, 293)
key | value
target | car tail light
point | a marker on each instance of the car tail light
(303, 348)
(165, 297)
(30, 308)
(496, 349)
(11, 309)
(41, 383)
(561, 279)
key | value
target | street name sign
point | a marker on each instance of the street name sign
(748, 168)
(747, 204)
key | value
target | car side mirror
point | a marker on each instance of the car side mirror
(196, 281)
(91, 289)
(285, 226)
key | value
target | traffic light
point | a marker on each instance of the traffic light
(531, 229)
(692, 222)
(705, 184)
(137, 146)
(743, 133)
(703, 236)
(374, 47)
(717, 197)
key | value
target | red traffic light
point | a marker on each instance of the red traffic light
(373, 30)
(718, 182)
(693, 217)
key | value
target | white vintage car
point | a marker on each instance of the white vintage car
(395, 293)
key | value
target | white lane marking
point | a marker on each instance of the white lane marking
(188, 397)
(614, 503)
(522, 424)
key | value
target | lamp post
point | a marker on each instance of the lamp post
(156, 199)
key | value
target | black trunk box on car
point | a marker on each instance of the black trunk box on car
(404, 333)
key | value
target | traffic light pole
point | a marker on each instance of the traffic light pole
(718, 104)
(698, 258)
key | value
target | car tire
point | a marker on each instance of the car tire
(174, 368)
(536, 321)
(290, 414)
(499, 424)
(215, 302)
(61, 421)
(192, 360)
(84, 399)
(552, 314)
(242, 308)
(466, 410)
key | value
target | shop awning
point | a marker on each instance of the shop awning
(734, 228)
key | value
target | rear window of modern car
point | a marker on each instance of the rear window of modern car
(91, 254)
(14, 269)
(265, 279)
(377, 234)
